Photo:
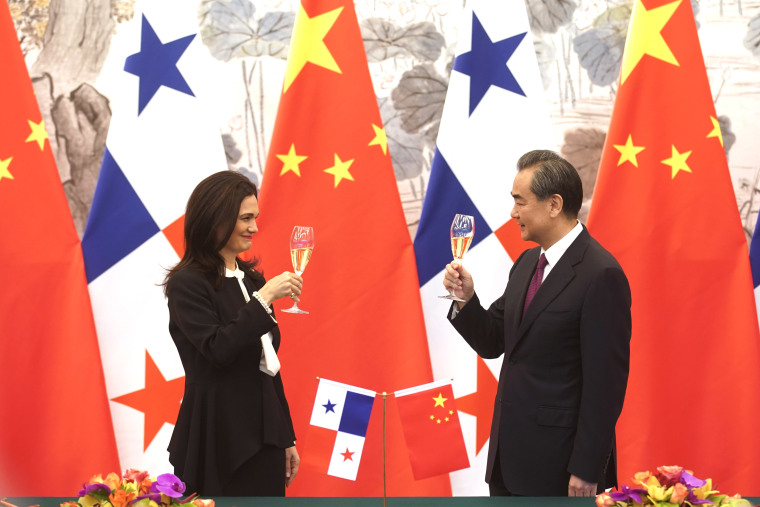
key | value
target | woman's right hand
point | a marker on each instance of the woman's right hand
(286, 284)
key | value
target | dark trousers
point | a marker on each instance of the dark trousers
(496, 486)
(262, 475)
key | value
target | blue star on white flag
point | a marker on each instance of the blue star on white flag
(487, 63)
(156, 64)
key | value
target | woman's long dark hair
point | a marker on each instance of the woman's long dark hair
(211, 214)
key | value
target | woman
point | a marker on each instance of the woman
(234, 435)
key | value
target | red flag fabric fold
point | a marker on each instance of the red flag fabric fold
(56, 430)
(328, 167)
(665, 207)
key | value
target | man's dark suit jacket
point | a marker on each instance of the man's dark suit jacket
(565, 368)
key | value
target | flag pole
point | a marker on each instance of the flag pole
(385, 494)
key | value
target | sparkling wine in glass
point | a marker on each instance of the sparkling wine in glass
(301, 246)
(462, 232)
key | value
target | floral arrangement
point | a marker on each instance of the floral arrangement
(670, 486)
(135, 489)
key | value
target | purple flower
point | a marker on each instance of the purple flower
(92, 488)
(690, 481)
(169, 485)
(628, 494)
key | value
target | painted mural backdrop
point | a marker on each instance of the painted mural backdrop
(409, 45)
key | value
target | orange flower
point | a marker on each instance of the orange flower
(641, 478)
(604, 500)
(112, 480)
(145, 486)
(68, 504)
(680, 492)
(200, 502)
(121, 498)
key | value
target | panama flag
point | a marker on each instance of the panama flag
(494, 112)
(339, 423)
(162, 141)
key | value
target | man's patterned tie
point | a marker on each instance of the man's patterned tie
(535, 282)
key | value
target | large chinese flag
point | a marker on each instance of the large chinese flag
(328, 167)
(55, 429)
(664, 206)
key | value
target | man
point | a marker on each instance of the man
(564, 327)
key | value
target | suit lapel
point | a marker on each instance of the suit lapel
(557, 280)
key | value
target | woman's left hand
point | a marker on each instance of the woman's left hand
(292, 461)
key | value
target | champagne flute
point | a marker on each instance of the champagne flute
(462, 232)
(301, 246)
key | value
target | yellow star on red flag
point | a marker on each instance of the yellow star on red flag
(715, 132)
(4, 172)
(291, 161)
(340, 170)
(677, 162)
(645, 37)
(628, 152)
(39, 134)
(439, 400)
(308, 44)
(380, 139)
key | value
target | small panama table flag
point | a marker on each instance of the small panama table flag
(339, 423)
(432, 430)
